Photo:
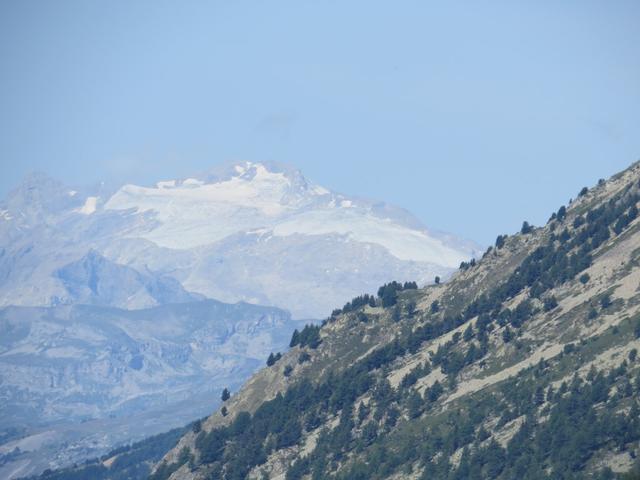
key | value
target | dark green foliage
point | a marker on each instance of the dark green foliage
(555, 263)
(437, 280)
(414, 374)
(578, 221)
(280, 418)
(356, 303)
(550, 303)
(309, 336)
(507, 335)
(303, 358)
(500, 241)
(211, 445)
(396, 315)
(197, 426)
(605, 301)
(297, 470)
(467, 265)
(633, 354)
(583, 192)
(369, 433)
(453, 360)
(559, 448)
(468, 334)
(224, 411)
(295, 338)
(164, 471)
(526, 228)
(433, 393)
(133, 461)
(584, 278)
(389, 293)
(572, 417)
(562, 213)
(287, 370)
(226, 395)
(273, 359)
(435, 307)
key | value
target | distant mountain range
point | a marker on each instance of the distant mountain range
(112, 296)
(248, 232)
(77, 379)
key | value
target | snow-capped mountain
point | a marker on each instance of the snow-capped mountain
(248, 232)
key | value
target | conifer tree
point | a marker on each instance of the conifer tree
(226, 395)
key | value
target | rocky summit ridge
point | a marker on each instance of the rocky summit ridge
(252, 232)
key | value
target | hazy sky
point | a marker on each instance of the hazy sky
(474, 116)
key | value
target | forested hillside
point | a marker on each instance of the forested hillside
(123, 463)
(524, 365)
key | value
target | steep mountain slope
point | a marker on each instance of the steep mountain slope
(249, 232)
(76, 380)
(524, 365)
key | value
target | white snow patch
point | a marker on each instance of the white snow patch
(166, 184)
(5, 214)
(65, 352)
(402, 242)
(192, 214)
(192, 182)
(318, 190)
(72, 193)
(89, 206)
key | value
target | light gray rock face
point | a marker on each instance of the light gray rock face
(64, 369)
(248, 232)
(94, 280)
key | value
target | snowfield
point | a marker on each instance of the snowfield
(247, 232)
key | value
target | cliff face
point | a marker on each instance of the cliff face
(75, 380)
(524, 365)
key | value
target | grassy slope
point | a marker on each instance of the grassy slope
(603, 342)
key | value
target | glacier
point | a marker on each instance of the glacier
(247, 232)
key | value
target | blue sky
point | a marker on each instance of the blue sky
(473, 115)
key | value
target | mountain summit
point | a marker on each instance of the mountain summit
(253, 232)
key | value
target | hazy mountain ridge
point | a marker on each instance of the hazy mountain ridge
(483, 376)
(69, 364)
(94, 280)
(225, 234)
